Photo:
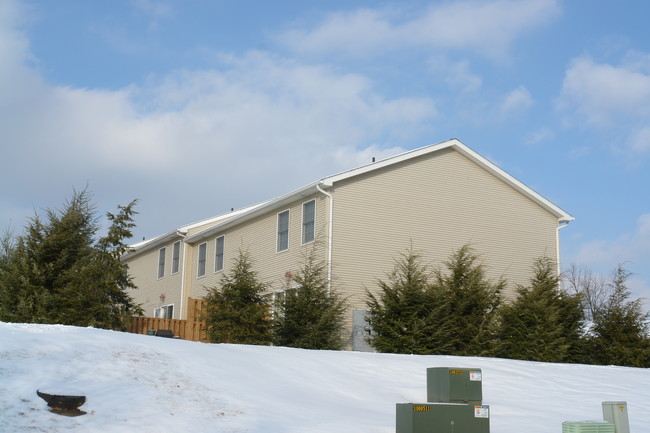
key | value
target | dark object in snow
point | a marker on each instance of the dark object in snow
(164, 333)
(64, 404)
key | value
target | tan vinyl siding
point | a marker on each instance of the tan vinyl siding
(436, 204)
(144, 270)
(259, 238)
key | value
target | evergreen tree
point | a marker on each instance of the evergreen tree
(237, 311)
(309, 315)
(57, 272)
(401, 313)
(98, 280)
(620, 328)
(6, 250)
(544, 323)
(468, 305)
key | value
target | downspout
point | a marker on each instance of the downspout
(331, 231)
(557, 245)
(182, 235)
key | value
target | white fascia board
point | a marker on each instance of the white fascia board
(253, 212)
(149, 244)
(218, 218)
(329, 181)
(180, 233)
(562, 215)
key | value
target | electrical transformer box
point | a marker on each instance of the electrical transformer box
(442, 418)
(454, 385)
(588, 427)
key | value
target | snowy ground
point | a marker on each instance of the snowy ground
(138, 383)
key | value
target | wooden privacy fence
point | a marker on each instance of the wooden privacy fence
(193, 328)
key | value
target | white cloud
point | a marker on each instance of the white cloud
(194, 143)
(631, 249)
(456, 74)
(515, 102)
(156, 9)
(606, 96)
(360, 32)
(486, 27)
(539, 136)
(639, 140)
(603, 93)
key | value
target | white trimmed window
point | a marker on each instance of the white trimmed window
(283, 231)
(218, 254)
(176, 257)
(280, 297)
(161, 262)
(202, 257)
(164, 312)
(308, 217)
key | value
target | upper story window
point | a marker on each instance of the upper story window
(176, 256)
(308, 217)
(202, 257)
(161, 262)
(283, 231)
(218, 255)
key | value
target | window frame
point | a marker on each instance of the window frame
(161, 262)
(176, 257)
(201, 265)
(163, 309)
(280, 232)
(219, 255)
(312, 223)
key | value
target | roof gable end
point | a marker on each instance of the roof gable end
(458, 146)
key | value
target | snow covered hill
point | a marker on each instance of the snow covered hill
(141, 384)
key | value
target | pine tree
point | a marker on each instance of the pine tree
(97, 281)
(469, 304)
(620, 329)
(544, 322)
(237, 311)
(401, 312)
(57, 272)
(309, 315)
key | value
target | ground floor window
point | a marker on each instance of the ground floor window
(164, 312)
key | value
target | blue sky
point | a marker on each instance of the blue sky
(195, 107)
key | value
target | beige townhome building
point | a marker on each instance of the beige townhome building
(433, 199)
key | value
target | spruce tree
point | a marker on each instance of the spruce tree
(237, 311)
(620, 330)
(98, 280)
(544, 323)
(309, 315)
(401, 313)
(58, 272)
(469, 303)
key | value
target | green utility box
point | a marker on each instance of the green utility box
(588, 427)
(442, 418)
(454, 385)
(454, 404)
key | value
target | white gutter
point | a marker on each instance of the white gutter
(331, 231)
(557, 245)
(182, 235)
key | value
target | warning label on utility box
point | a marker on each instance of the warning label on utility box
(475, 376)
(481, 411)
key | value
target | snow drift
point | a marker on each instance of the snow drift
(138, 383)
